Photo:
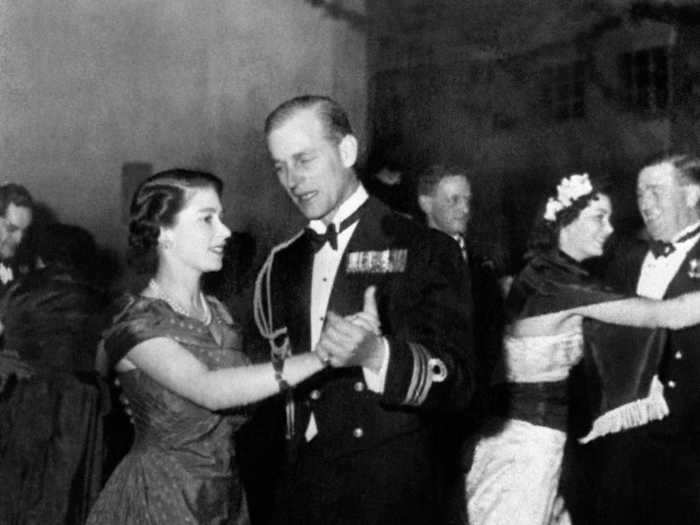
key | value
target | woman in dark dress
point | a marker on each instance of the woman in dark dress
(179, 360)
(51, 402)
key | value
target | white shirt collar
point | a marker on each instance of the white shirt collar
(347, 208)
(686, 230)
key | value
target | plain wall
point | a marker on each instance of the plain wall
(88, 85)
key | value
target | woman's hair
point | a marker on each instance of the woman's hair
(155, 205)
(559, 212)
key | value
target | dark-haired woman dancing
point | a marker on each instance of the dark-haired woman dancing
(514, 478)
(178, 356)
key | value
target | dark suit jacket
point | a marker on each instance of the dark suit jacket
(378, 458)
(651, 474)
(680, 366)
(488, 313)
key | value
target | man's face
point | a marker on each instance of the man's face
(665, 204)
(447, 209)
(316, 172)
(13, 227)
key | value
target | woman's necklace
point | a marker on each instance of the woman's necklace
(159, 293)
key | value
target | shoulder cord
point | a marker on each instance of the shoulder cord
(280, 349)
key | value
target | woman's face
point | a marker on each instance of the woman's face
(198, 236)
(585, 237)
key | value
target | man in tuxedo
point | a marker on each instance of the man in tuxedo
(445, 197)
(16, 213)
(365, 439)
(652, 474)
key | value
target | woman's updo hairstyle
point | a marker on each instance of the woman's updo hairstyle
(155, 205)
(571, 196)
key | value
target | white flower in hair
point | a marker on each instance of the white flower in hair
(569, 189)
(553, 207)
(6, 274)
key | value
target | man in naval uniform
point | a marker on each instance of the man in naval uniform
(366, 436)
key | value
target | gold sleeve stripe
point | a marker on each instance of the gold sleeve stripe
(421, 379)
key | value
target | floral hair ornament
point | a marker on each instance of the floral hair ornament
(569, 189)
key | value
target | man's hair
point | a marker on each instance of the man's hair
(687, 165)
(429, 179)
(11, 193)
(333, 117)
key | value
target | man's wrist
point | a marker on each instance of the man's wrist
(324, 361)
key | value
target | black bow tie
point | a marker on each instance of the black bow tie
(665, 248)
(318, 240)
(661, 248)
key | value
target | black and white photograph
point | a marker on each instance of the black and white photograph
(350, 262)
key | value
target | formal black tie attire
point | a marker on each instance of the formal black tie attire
(374, 457)
(651, 475)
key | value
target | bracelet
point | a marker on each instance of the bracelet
(278, 367)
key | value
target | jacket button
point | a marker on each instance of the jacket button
(315, 394)
(358, 432)
(678, 355)
(671, 384)
(359, 386)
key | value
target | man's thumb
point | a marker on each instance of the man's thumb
(370, 304)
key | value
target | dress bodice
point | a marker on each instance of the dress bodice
(532, 384)
(159, 414)
(541, 358)
(182, 458)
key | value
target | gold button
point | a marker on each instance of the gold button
(315, 394)
(359, 386)
(358, 432)
(671, 384)
(678, 355)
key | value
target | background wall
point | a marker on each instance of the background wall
(88, 85)
(481, 83)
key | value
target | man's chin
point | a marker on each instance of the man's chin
(311, 213)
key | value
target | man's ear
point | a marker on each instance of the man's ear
(692, 195)
(426, 204)
(348, 150)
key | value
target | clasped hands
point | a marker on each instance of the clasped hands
(353, 340)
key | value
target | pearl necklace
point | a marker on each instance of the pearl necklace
(175, 305)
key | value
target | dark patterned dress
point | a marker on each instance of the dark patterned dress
(181, 467)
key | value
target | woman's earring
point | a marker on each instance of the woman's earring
(166, 244)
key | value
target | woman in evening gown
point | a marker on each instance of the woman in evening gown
(179, 360)
(514, 478)
(51, 399)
